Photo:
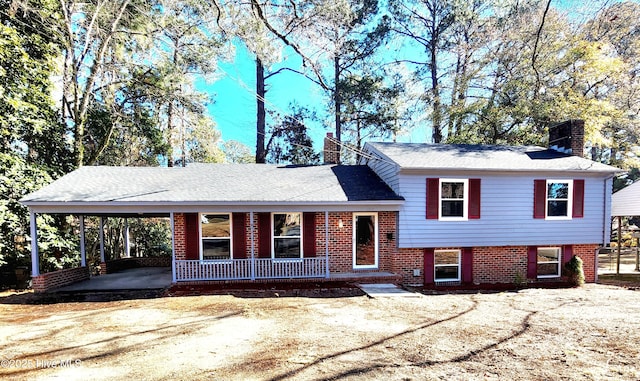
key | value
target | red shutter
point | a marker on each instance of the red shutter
(239, 235)
(428, 266)
(567, 254)
(264, 235)
(474, 199)
(309, 234)
(532, 262)
(578, 198)
(192, 236)
(433, 193)
(467, 265)
(539, 198)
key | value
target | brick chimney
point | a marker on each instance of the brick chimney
(330, 151)
(568, 137)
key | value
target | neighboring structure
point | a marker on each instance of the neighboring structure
(626, 201)
(435, 215)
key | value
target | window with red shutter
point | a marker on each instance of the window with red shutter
(192, 236)
(239, 235)
(558, 199)
(453, 199)
(539, 198)
(264, 235)
(433, 198)
(428, 266)
(309, 234)
(467, 265)
(578, 199)
(474, 199)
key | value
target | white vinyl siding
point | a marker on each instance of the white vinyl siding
(507, 215)
(384, 168)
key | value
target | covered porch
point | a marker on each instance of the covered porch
(235, 223)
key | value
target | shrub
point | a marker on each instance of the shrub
(573, 269)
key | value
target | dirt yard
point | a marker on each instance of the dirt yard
(590, 333)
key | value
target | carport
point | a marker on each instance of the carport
(143, 278)
(114, 276)
(626, 203)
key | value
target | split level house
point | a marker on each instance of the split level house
(434, 215)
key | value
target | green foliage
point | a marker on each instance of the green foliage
(574, 270)
(33, 146)
(236, 152)
(290, 142)
(57, 242)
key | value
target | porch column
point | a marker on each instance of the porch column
(326, 242)
(101, 237)
(127, 249)
(35, 259)
(83, 251)
(173, 249)
(253, 247)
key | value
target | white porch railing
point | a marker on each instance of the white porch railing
(258, 268)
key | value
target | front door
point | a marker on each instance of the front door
(365, 240)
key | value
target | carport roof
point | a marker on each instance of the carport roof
(216, 183)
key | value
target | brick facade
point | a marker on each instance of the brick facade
(116, 265)
(179, 236)
(508, 265)
(55, 279)
(490, 265)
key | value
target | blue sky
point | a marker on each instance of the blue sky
(234, 99)
(234, 106)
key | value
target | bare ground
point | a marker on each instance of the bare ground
(589, 333)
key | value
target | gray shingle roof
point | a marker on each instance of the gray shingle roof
(485, 157)
(232, 183)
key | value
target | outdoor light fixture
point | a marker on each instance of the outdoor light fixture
(340, 223)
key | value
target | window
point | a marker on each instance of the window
(287, 235)
(548, 264)
(559, 198)
(453, 199)
(446, 265)
(215, 236)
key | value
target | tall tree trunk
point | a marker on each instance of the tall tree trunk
(337, 100)
(261, 116)
(436, 134)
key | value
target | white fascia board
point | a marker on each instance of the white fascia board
(504, 172)
(186, 207)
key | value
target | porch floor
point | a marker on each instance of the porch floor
(143, 278)
(149, 278)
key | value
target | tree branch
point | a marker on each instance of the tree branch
(260, 14)
(534, 55)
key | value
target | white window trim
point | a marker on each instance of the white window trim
(559, 273)
(354, 244)
(569, 215)
(273, 238)
(230, 238)
(459, 264)
(465, 200)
